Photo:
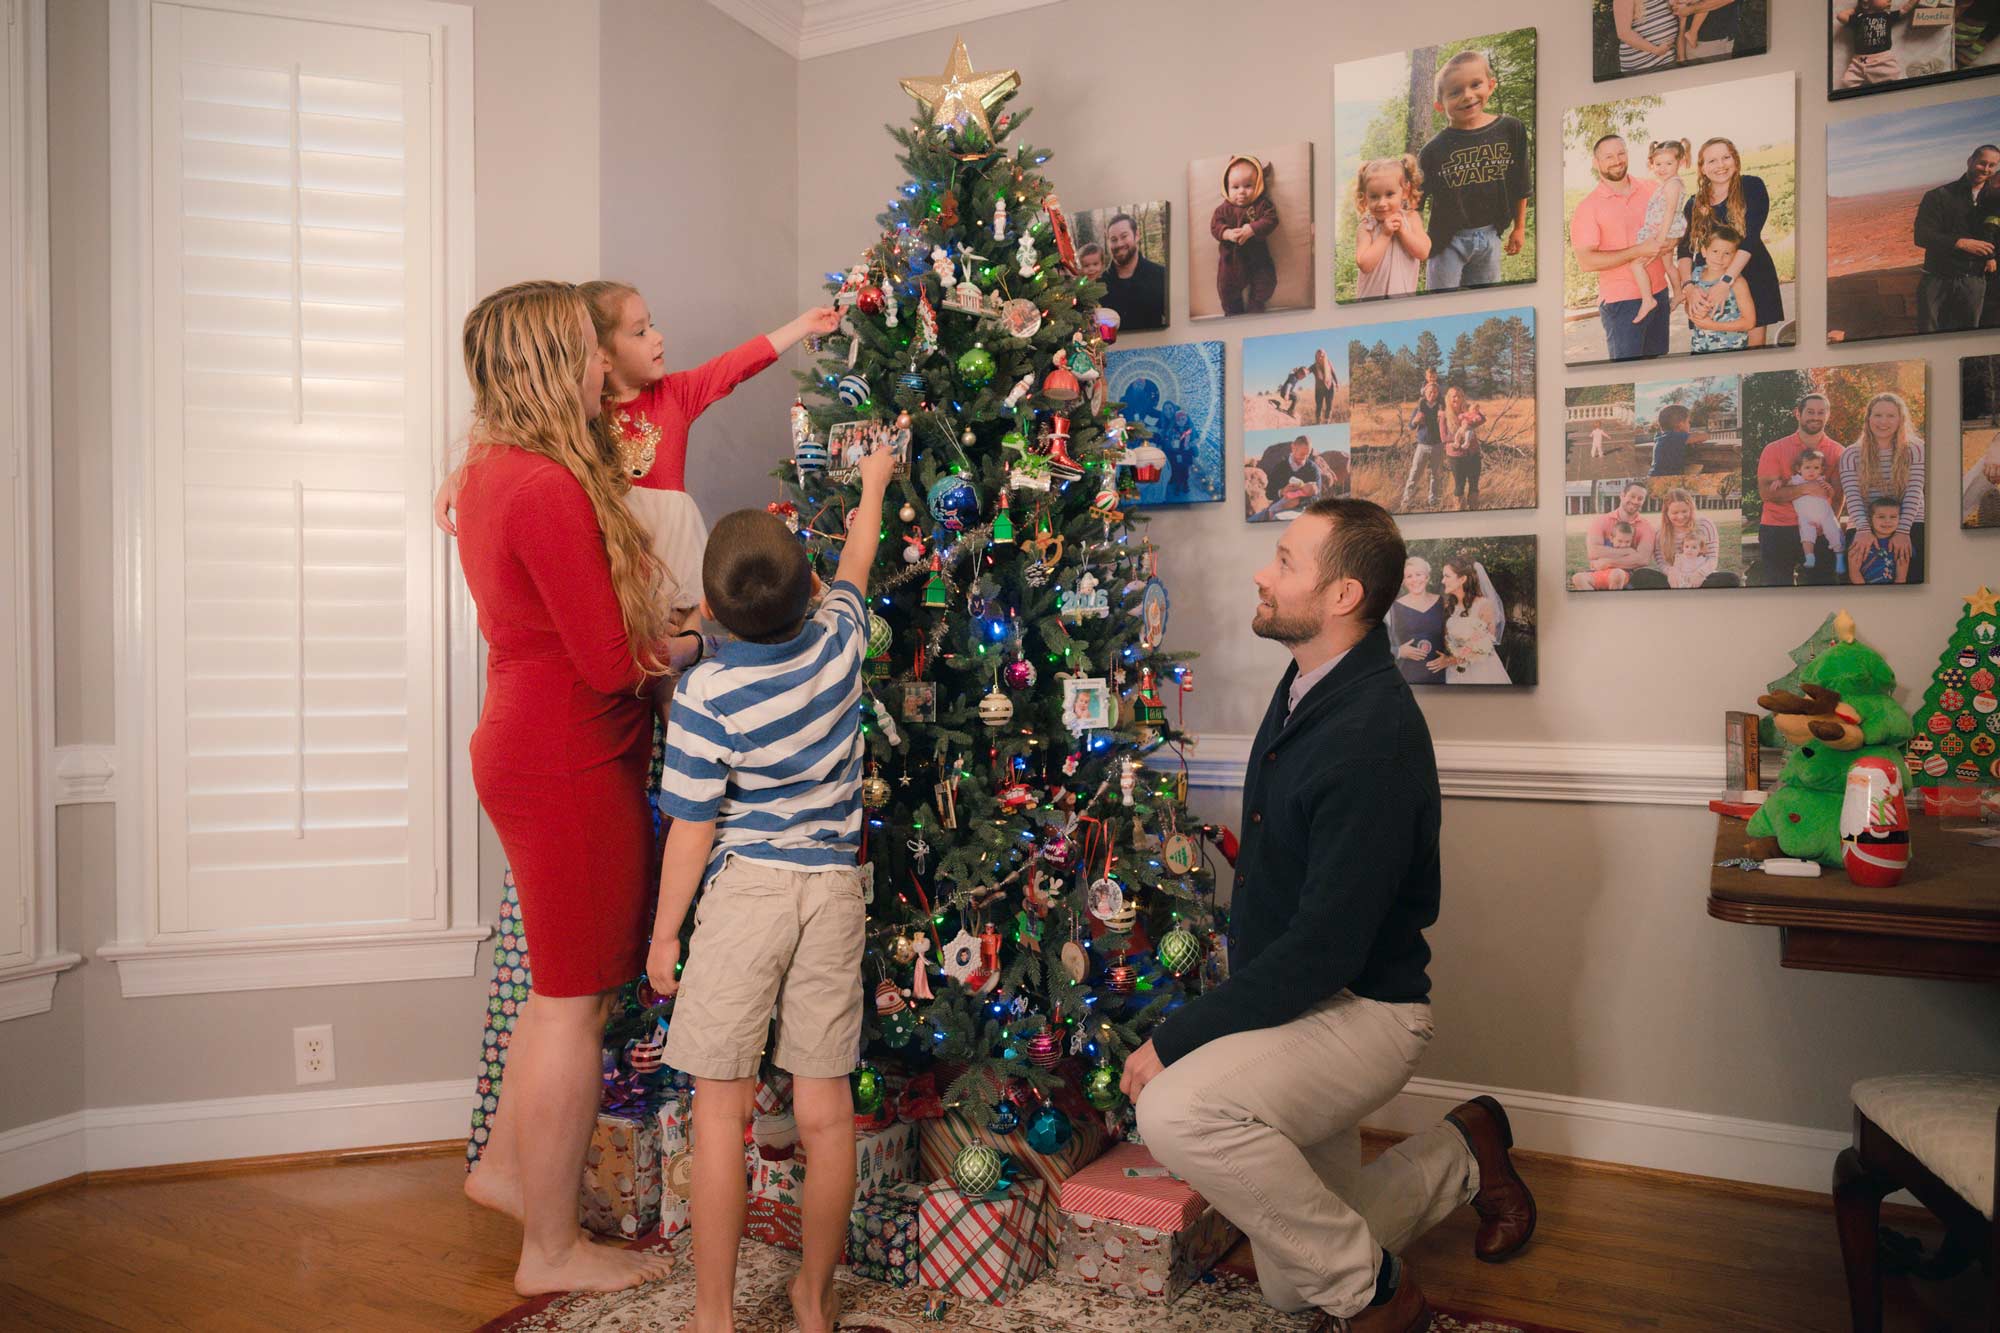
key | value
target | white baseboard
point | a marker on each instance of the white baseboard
(1759, 1152)
(111, 1138)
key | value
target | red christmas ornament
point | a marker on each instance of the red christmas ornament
(1121, 978)
(869, 300)
(1045, 1049)
(1061, 387)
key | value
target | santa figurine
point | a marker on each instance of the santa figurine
(1875, 824)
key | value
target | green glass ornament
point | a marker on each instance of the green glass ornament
(976, 367)
(1100, 1088)
(976, 1170)
(868, 1089)
(1179, 951)
(879, 635)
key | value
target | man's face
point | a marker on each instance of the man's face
(1812, 417)
(1301, 451)
(1981, 166)
(1291, 604)
(1123, 243)
(1609, 159)
(1632, 501)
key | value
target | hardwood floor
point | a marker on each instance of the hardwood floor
(392, 1244)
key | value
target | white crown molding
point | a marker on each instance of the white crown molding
(1519, 770)
(83, 775)
(282, 964)
(114, 1138)
(804, 29)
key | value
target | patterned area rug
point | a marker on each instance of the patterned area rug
(1228, 1304)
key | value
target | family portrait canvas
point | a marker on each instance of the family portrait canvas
(1875, 46)
(1913, 221)
(1125, 247)
(1852, 440)
(1294, 422)
(1175, 392)
(1250, 232)
(1434, 168)
(1441, 412)
(1631, 37)
(1979, 426)
(1466, 612)
(1680, 212)
(1286, 470)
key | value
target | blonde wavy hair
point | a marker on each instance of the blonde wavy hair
(526, 354)
(1869, 469)
(1404, 166)
(1703, 217)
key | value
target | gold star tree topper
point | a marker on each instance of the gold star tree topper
(1985, 602)
(960, 96)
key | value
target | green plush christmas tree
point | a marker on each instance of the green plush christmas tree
(1810, 647)
(1957, 741)
(1038, 888)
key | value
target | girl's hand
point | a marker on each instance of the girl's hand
(1899, 546)
(820, 320)
(1394, 225)
(662, 960)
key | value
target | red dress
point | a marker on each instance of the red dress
(560, 755)
(658, 419)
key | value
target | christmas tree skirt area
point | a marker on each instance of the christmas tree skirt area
(1228, 1302)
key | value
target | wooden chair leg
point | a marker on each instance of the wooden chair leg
(1857, 1211)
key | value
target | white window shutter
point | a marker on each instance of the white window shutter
(300, 740)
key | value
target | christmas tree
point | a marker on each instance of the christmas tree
(1958, 727)
(1810, 647)
(1038, 890)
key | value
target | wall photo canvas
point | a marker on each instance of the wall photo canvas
(1877, 46)
(1126, 247)
(1913, 221)
(1680, 212)
(1175, 392)
(1979, 441)
(1434, 168)
(1294, 422)
(1466, 614)
(1631, 37)
(1441, 412)
(1250, 232)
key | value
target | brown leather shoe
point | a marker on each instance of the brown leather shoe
(1406, 1312)
(1506, 1209)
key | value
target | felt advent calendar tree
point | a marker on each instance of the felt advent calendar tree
(1957, 744)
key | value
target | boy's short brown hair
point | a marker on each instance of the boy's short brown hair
(755, 577)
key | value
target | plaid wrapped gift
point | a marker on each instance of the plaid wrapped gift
(773, 1222)
(1127, 1185)
(882, 1234)
(939, 1141)
(980, 1249)
(1139, 1263)
(505, 995)
(621, 1176)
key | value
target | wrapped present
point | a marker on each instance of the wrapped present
(1127, 1185)
(773, 1222)
(621, 1176)
(505, 995)
(676, 1165)
(881, 1156)
(939, 1142)
(1951, 802)
(1139, 1263)
(778, 1179)
(882, 1234)
(983, 1249)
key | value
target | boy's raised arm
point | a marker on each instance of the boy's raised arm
(864, 535)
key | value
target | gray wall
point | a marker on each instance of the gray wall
(1574, 955)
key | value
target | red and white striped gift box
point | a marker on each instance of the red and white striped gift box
(1152, 1199)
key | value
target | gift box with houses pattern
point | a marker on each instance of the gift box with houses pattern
(621, 1176)
(676, 1164)
(982, 1249)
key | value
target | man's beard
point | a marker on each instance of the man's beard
(1267, 623)
(1622, 171)
(1121, 260)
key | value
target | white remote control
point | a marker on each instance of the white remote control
(1788, 865)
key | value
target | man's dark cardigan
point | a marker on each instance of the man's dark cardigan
(1337, 875)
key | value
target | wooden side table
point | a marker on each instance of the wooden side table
(1941, 923)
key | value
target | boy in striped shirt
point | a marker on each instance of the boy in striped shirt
(762, 783)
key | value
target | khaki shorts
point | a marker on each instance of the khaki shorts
(767, 935)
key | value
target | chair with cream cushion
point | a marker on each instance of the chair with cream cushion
(1935, 1135)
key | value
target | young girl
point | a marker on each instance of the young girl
(1462, 420)
(1667, 160)
(1888, 460)
(1390, 243)
(567, 592)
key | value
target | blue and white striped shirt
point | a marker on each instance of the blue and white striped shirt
(766, 740)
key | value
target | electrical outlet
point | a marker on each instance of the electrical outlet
(312, 1054)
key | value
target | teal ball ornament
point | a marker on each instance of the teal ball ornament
(852, 390)
(976, 367)
(869, 1091)
(977, 1170)
(1179, 951)
(954, 501)
(1049, 1131)
(1100, 1088)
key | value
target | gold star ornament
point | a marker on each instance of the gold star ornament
(1985, 602)
(960, 96)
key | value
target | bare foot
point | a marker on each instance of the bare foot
(814, 1316)
(502, 1193)
(1647, 305)
(589, 1267)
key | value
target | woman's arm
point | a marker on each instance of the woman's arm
(1913, 492)
(1756, 212)
(1850, 491)
(1746, 311)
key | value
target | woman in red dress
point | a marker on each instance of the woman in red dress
(567, 594)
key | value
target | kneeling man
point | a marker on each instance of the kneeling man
(1252, 1091)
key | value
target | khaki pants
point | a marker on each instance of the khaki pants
(1263, 1124)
